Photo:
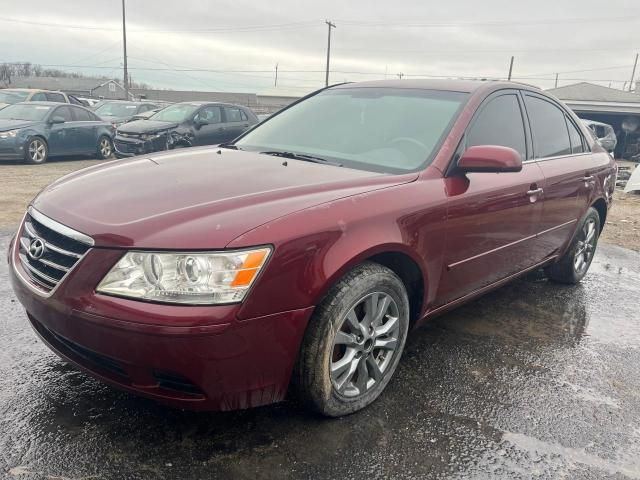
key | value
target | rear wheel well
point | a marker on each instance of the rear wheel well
(601, 207)
(410, 274)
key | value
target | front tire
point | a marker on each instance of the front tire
(575, 263)
(36, 151)
(354, 341)
(105, 148)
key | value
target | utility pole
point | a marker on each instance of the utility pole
(124, 43)
(633, 74)
(510, 68)
(556, 85)
(275, 84)
(331, 25)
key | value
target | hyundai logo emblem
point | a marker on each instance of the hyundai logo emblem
(36, 248)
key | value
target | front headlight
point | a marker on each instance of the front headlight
(201, 278)
(150, 136)
(9, 134)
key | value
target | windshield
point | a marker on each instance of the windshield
(24, 112)
(12, 96)
(117, 109)
(391, 130)
(175, 113)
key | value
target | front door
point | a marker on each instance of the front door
(492, 218)
(209, 127)
(561, 152)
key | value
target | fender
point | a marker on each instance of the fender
(341, 234)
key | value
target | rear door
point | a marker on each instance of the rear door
(492, 218)
(236, 122)
(87, 130)
(208, 126)
(561, 152)
(63, 137)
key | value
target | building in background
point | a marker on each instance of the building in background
(617, 108)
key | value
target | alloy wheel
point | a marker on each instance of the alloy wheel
(585, 247)
(105, 148)
(37, 151)
(365, 344)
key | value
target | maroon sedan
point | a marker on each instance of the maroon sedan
(300, 255)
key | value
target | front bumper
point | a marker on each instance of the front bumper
(131, 146)
(11, 148)
(195, 357)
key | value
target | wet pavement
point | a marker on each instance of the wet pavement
(535, 380)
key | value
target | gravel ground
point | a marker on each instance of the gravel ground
(20, 183)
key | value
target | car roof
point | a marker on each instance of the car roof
(30, 90)
(48, 104)
(200, 103)
(449, 84)
(138, 102)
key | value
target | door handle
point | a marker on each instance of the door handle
(535, 191)
(587, 178)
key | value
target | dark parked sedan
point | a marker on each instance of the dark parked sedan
(303, 253)
(34, 131)
(118, 112)
(183, 125)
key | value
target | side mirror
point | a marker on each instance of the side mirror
(199, 123)
(57, 119)
(490, 158)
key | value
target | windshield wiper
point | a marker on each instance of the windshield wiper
(302, 156)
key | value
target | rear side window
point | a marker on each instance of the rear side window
(38, 97)
(548, 128)
(82, 115)
(64, 112)
(575, 137)
(233, 114)
(55, 97)
(499, 123)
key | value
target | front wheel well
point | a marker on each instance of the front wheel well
(410, 274)
(601, 207)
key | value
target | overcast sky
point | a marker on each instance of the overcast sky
(579, 39)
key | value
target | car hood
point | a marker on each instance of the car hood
(146, 126)
(14, 124)
(199, 198)
(114, 119)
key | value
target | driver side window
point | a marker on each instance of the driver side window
(209, 115)
(499, 123)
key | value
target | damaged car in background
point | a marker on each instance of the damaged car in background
(603, 133)
(119, 112)
(182, 125)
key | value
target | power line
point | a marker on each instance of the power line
(500, 51)
(497, 23)
(244, 28)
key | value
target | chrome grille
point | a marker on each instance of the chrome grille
(63, 248)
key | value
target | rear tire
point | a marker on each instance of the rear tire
(354, 341)
(575, 263)
(36, 151)
(104, 149)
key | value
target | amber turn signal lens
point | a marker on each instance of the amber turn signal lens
(250, 268)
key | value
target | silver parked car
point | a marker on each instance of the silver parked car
(604, 134)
